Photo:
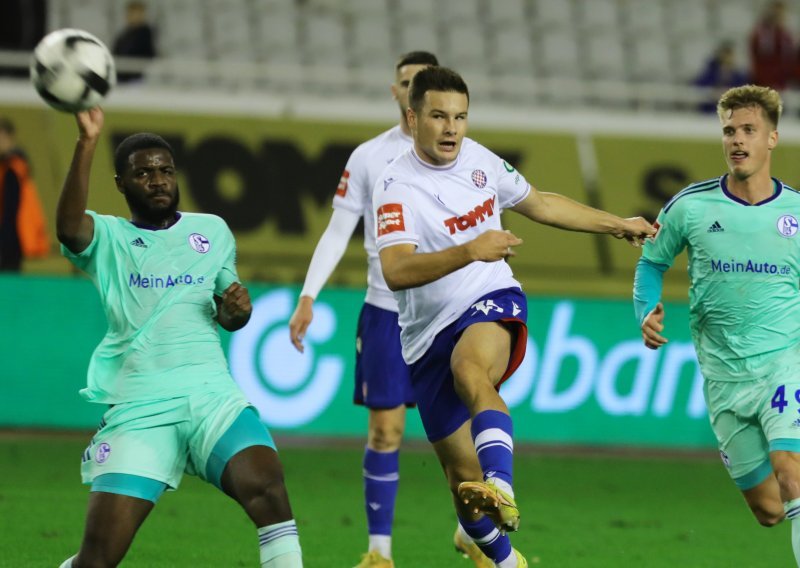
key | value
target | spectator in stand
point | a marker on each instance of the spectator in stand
(719, 74)
(23, 230)
(136, 40)
(772, 50)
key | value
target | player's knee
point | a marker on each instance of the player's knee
(768, 518)
(385, 437)
(270, 494)
(768, 514)
(465, 370)
(470, 380)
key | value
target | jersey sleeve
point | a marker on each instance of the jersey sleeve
(227, 274)
(87, 259)
(512, 187)
(670, 238)
(353, 190)
(394, 217)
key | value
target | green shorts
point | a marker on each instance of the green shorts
(161, 439)
(753, 418)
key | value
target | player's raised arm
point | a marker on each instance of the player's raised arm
(559, 211)
(404, 268)
(75, 229)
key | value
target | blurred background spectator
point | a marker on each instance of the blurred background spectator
(772, 50)
(22, 223)
(721, 72)
(136, 39)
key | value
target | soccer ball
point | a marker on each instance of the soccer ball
(72, 70)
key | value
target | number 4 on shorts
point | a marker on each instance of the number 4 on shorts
(779, 399)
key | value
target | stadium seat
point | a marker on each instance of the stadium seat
(641, 18)
(370, 41)
(687, 18)
(651, 60)
(368, 9)
(466, 48)
(691, 54)
(422, 35)
(324, 39)
(182, 33)
(557, 53)
(604, 56)
(87, 15)
(276, 35)
(552, 14)
(609, 45)
(410, 12)
(507, 12)
(458, 11)
(736, 18)
(598, 15)
(512, 47)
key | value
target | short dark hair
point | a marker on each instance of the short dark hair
(7, 126)
(416, 58)
(134, 143)
(434, 78)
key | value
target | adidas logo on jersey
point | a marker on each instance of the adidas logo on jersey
(138, 242)
(715, 228)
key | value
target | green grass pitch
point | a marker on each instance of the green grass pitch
(578, 511)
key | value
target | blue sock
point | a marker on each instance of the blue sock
(492, 432)
(381, 478)
(491, 541)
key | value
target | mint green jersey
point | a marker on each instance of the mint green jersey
(744, 270)
(157, 288)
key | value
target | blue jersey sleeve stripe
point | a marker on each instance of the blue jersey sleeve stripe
(690, 191)
(695, 186)
(699, 185)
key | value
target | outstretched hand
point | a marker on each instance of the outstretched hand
(493, 245)
(301, 319)
(90, 122)
(635, 230)
(652, 326)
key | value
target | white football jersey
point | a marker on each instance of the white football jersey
(355, 194)
(435, 208)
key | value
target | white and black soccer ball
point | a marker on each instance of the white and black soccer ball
(72, 70)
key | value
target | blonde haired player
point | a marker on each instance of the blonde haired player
(741, 234)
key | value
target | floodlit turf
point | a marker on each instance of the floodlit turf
(577, 512)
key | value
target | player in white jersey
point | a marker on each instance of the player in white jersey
(462, 313)
(382, 380)
(166, 279)
(741, 235)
